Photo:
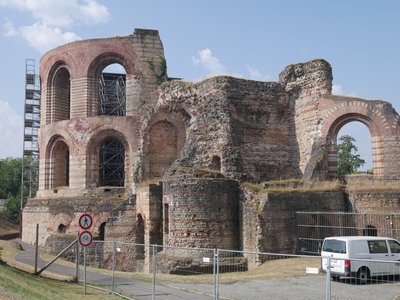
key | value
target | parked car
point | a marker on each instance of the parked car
(361, 257)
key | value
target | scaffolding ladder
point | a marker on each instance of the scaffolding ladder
(30, 154)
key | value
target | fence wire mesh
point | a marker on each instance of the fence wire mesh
(137, 271)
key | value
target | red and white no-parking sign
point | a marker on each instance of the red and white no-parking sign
(85, 221)
(85, 238)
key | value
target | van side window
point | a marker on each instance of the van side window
(377, 247)
(334, 246)
(394, 246)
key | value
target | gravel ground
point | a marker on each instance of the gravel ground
(306, 287)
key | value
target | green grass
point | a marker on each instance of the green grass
(16, 284)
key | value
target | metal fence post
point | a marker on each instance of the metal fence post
(215, 273)
(113, 267)
(154, 270)
(328, 278)
(84, 273)
(77, 260)
(217, 277)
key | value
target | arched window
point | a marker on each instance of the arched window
(139, 237)
(102, 231)
(59, 165)
(60, 95)
(112, 163)
(112, 91)
(362, 141)
(62, 228)
(162, 149)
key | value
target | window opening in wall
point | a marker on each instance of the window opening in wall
(166, 218)
(61, 165)
(112, 163)
(140, 237)
(370, 231)
(112, 91)
(62, 228)
(216, 163)
(362, 141)
(102, 231)
(61, 95)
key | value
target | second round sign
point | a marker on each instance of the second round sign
(85, 238)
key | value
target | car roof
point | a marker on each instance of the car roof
(358, 238)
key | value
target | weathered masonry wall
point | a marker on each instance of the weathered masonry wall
(201, 212)
(247, 125)
(51, 214)
(183, 150)
(269, 223)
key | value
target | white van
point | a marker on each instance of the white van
(350, 256)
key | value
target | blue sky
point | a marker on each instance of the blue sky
(251, 39)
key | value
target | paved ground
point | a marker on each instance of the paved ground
(305, 287)
(132, 288)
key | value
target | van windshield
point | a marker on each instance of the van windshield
(334, 246)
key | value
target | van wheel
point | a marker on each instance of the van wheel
(363, 275)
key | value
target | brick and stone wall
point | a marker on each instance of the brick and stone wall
(201, 212)
(188, 146)
(269, 219)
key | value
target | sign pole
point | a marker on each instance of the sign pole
(84, 273)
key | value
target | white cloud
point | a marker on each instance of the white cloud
(9, 29)
(61, 13)
(43, 38)
(209, 62)
(256, 74)
(337, 89)
(52, 18)
(11, 131)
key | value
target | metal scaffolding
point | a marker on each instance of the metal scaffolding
(30, 161)
(112, 153)
(112, 163)
(112, 94)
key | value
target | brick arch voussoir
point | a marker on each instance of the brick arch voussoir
(102, 134)
(128, 60)
(339, 115)
(52, 142)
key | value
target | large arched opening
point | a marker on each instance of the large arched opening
(60, 94)
(57, 164)
(362, 142)
(368, 129)
(112, 91)
(112, 163)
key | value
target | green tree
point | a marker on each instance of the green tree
(348, 159)
(10, 186)
(10, 177)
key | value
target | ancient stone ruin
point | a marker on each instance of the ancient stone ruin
(168, 162)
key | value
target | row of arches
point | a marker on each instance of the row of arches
(107, 90)
(108, 156)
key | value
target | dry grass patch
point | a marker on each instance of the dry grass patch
(374, 185)
(7, 227)
(295, 185)
(278, 268)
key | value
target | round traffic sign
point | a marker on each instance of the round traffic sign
(85, 221)
(85, 238)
